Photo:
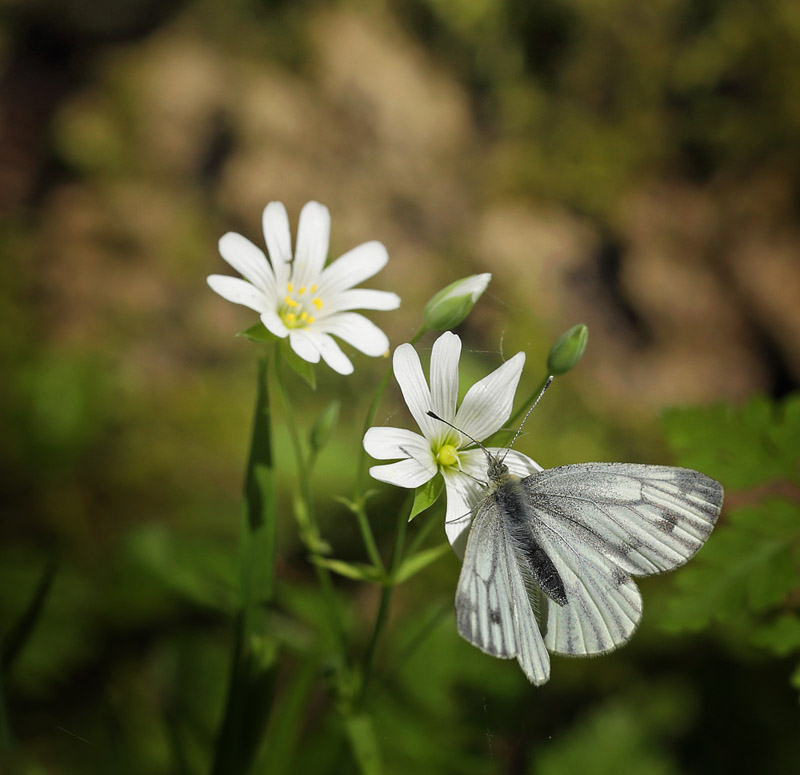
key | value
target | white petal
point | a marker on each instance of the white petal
(444, 376)
(407, 473)
(353, 268)
(357, 331)
(278, 237)
(463, 494)
(408, 373)
(332, 354)
(360, 298)
(302, 343)
(273, 323)
(313, 238)
(238, 291)
(488, 403)
(384, 443)
(248, 260)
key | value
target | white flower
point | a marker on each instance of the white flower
(298, 296)
(484, 410)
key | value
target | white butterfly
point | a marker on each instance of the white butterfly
(550, 557)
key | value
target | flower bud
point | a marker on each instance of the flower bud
(452, 304)
(567, 350)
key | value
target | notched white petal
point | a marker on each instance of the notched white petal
(313, 238)
(353, 267)
(277, 234)
(238, 291)
(273, 323)
(248, 260)
(357, 331)
(303, 345)
(487, 404)
(385, 443)
(445, 355)
(406, 473)
(332, 354)
(361, 298)
(408, 373)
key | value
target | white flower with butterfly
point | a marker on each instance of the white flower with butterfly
(297, 296)
(440, 449)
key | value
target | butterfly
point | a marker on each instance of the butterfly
(551, 558)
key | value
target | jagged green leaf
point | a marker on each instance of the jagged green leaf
(749, 564)
(740, 446)
(781, 636)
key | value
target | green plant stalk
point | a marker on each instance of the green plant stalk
(386, 597)
(249, 691)
(523, 407)
(323, 574)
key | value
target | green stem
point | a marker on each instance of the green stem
(523, 407)
(323, 574)
(386, 596)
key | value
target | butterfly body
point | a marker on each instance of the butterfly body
(550, 558)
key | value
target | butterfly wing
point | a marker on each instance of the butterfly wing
(493, 611)
(601, 523)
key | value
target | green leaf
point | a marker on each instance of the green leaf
(426, 495)
(358, 571)
(415, 563)
(303, 369)
(14, 640)
(258, 333)
(795, 679)
(781, 636)
(257, 562)
(741, 446)
(252, 674)
(361, 733)
(286, 721)
(749, 565)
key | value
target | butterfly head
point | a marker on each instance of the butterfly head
(496, 470)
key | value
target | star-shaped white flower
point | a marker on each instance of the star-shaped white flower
(298, 296)
(484, 410)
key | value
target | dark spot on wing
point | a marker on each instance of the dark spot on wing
(619, 577)
(494, 616)
(666, 524)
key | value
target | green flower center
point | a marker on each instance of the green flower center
(298, 306)
(447, 455)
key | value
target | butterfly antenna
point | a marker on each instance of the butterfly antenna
(521, 425)
(474, 441)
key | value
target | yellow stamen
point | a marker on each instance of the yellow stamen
(302, 290)
(304, 316)
(309, 320)
(290, 288)
(290, 317)
(317, 303)
(314, 288)
(290, 301)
